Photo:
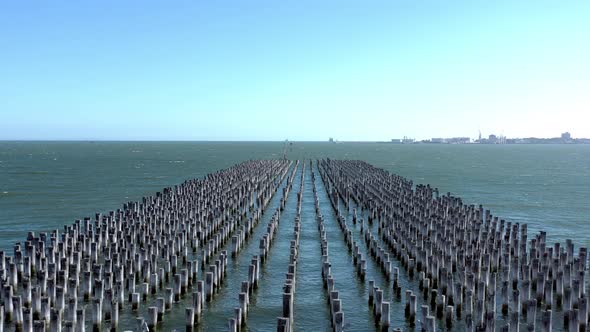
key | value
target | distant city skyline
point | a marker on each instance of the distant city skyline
(564, 138)
(565, 134)
(305, 70)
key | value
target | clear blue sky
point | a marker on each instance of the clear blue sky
(303, 70)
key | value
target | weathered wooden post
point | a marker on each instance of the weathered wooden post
(197, 306)
(385, 316)
(546, 321)
(168, 297)
(135, 299)
(189, 318)
(96, 315)
(283, 324)
(55, 320)
(161, 305)
(114, 316)
(152, 319)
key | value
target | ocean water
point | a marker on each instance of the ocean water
(45, 185)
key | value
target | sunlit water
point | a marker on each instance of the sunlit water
(44, 186)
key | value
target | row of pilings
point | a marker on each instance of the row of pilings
(150, 251)
(250, 285)
(285, 321)
(473, 267)
(329, 282)
(380, 308)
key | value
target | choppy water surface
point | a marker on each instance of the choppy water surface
(45, 185)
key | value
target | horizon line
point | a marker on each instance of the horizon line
(175, 140)
(242, 141)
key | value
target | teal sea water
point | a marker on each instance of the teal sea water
(45, 185)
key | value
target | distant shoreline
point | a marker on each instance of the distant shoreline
(531, 143)
(583, 141)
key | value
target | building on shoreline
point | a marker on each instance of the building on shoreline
(565, 138)
(452, 140)
(405, 140)
(492, 139)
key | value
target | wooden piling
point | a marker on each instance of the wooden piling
(189, 315)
